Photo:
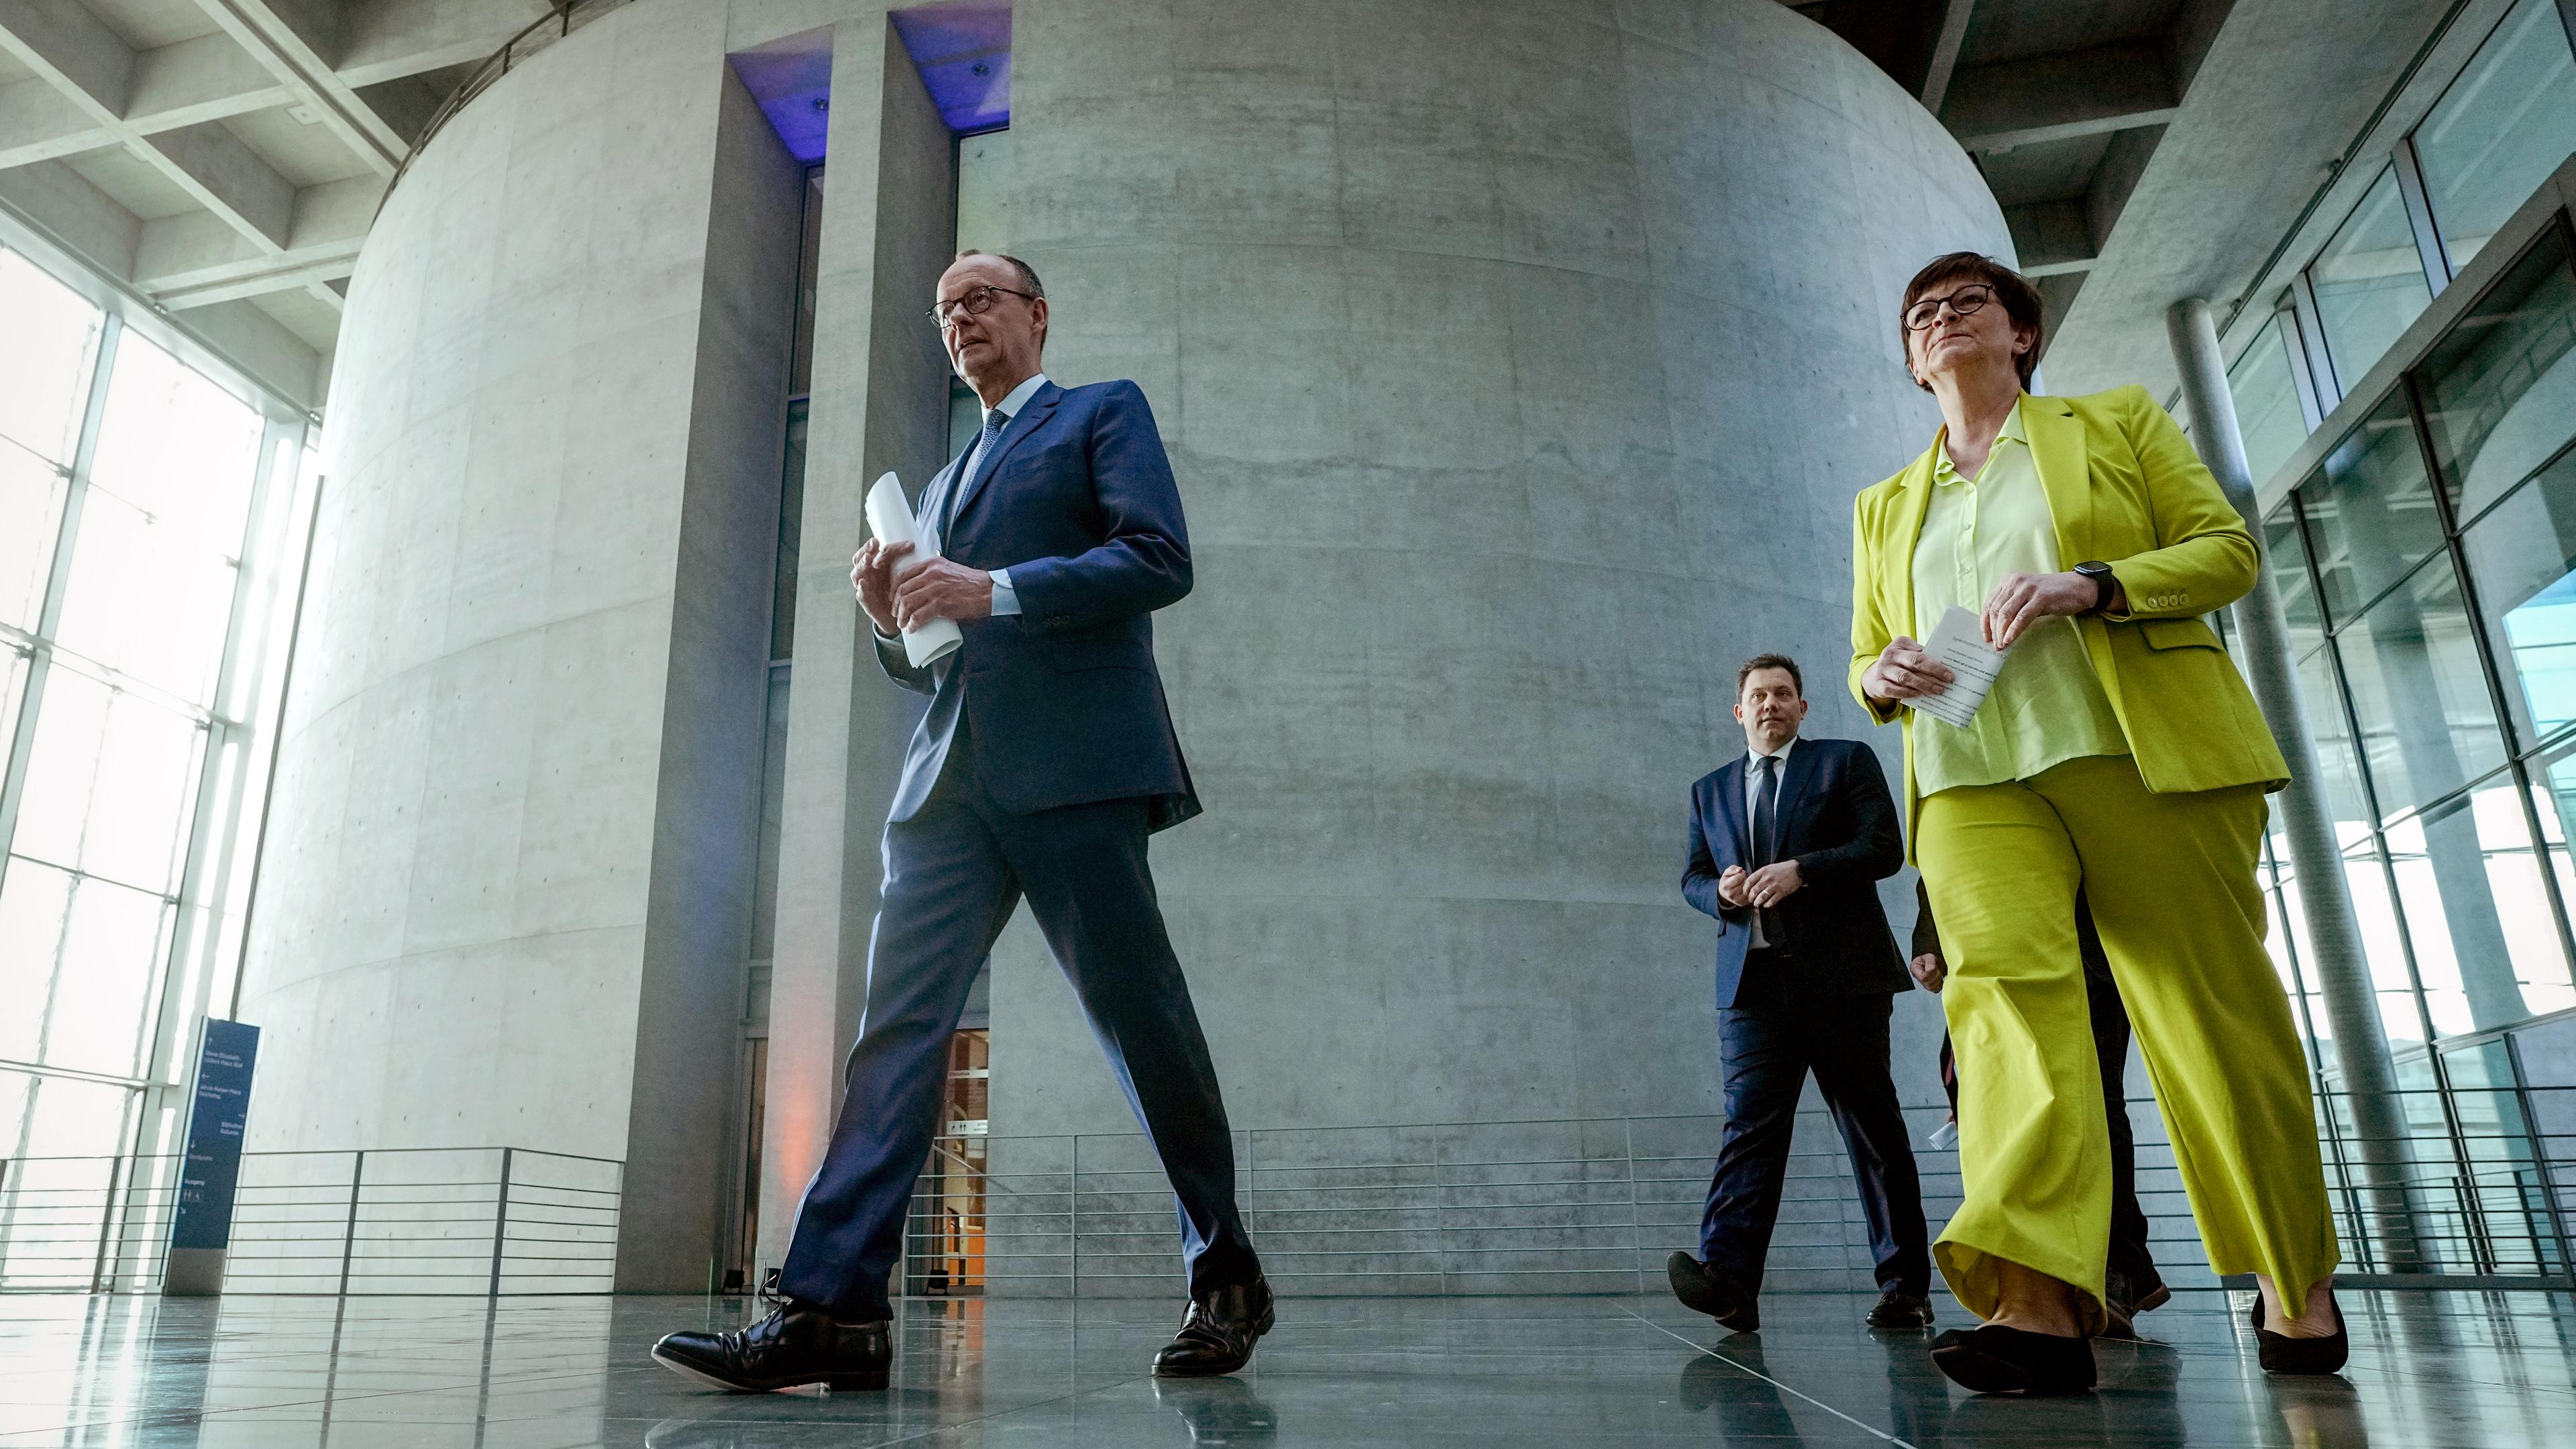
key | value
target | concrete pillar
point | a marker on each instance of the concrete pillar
(880, 402)
(2342, 970)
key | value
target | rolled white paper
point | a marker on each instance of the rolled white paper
(890, 519)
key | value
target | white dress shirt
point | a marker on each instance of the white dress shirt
(1005, 601)
(1752, 784)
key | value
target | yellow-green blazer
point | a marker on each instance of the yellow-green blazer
(2124, 487)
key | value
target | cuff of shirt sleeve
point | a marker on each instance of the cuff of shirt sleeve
(1005, 599)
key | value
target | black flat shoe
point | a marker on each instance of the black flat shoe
(2282, 1354)
(1999, 1360)
(1901, 1312)
(1717, 1292)
(1218, 1332)
(792, 1347)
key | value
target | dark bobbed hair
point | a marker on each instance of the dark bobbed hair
(1745, 670)
(2019, 298)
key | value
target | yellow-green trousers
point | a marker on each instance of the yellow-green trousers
(2171, 882)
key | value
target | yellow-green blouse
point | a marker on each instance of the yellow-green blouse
(2047, 706)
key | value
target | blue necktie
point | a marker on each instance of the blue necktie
(994, 422)
(1765, 796)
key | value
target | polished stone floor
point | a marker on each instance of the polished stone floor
(280, 1373)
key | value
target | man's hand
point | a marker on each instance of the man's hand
(2022, 600)
(872, 579)
(1928, 970)
(1904, 671)
(1730, 886)
(940, 589)
(1773, 884)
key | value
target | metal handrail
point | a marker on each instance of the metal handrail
(533, 37)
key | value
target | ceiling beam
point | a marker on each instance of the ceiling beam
(294, 44)
(2091, 92)
(2051, 238)
(69, 49)
(190, 261)
(1946, 44)
(214, 76)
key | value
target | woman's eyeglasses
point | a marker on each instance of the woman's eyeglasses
(1965, 302)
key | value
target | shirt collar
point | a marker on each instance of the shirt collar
(1019, 397)
(1781, 754)
(1946, 472)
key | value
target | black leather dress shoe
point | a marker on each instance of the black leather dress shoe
(1217, 1334)
(1994, 1359)
(792, 1347)
(1717, 1292)
(1902, 1312)
(2282, 1354)
(2124, 1298)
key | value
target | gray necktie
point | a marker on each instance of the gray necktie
(994, 422)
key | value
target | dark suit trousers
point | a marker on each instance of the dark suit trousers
(953, 874)
(1766, 1051)
(2128, 1254)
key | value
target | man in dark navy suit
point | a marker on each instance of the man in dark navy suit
(1045, 759)
(1787, 847)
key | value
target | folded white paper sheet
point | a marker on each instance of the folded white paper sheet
(890, 519)
(1959, 643)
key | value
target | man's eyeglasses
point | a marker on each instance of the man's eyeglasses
(1967, 301)
(975, 303)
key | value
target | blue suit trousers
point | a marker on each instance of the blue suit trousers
(954, 872)
(1766, 1052)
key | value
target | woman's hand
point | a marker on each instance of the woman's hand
(1904, 672)
(2024, 599)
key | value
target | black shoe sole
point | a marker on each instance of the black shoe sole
(1269, 1320)
(861, 1382)
(1971, 1367)
(1691, 1285)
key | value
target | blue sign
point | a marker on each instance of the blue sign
(215, 1124)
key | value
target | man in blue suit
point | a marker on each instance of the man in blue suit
(1045, 759)
(1787, 847)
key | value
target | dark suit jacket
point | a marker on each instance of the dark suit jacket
(1063, 700)
(1837, 820)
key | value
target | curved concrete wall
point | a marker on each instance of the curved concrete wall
(1519, 364)
(508, 870)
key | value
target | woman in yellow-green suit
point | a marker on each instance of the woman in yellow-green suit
(2119, 754)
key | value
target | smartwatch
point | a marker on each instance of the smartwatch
(2100, 573)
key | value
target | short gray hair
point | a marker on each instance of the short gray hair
(1028, 274)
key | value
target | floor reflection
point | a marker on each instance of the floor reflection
(2430, 1371)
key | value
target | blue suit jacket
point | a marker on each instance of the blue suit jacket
(1837, 820)
(1063, 699)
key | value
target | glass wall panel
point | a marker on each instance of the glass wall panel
(2546, 991)
(2285, 556)
(142, 490)
(153, 569)
(32, 904)
(2267, 403)
(2476, 910)
(2336, 762)
(2428, 724)
(2383, 941)
(2502, 127)
(31, 505)
(2522, 559)
(2370, 509)
(2369, 282)
(45, 366)
(2499, 389)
